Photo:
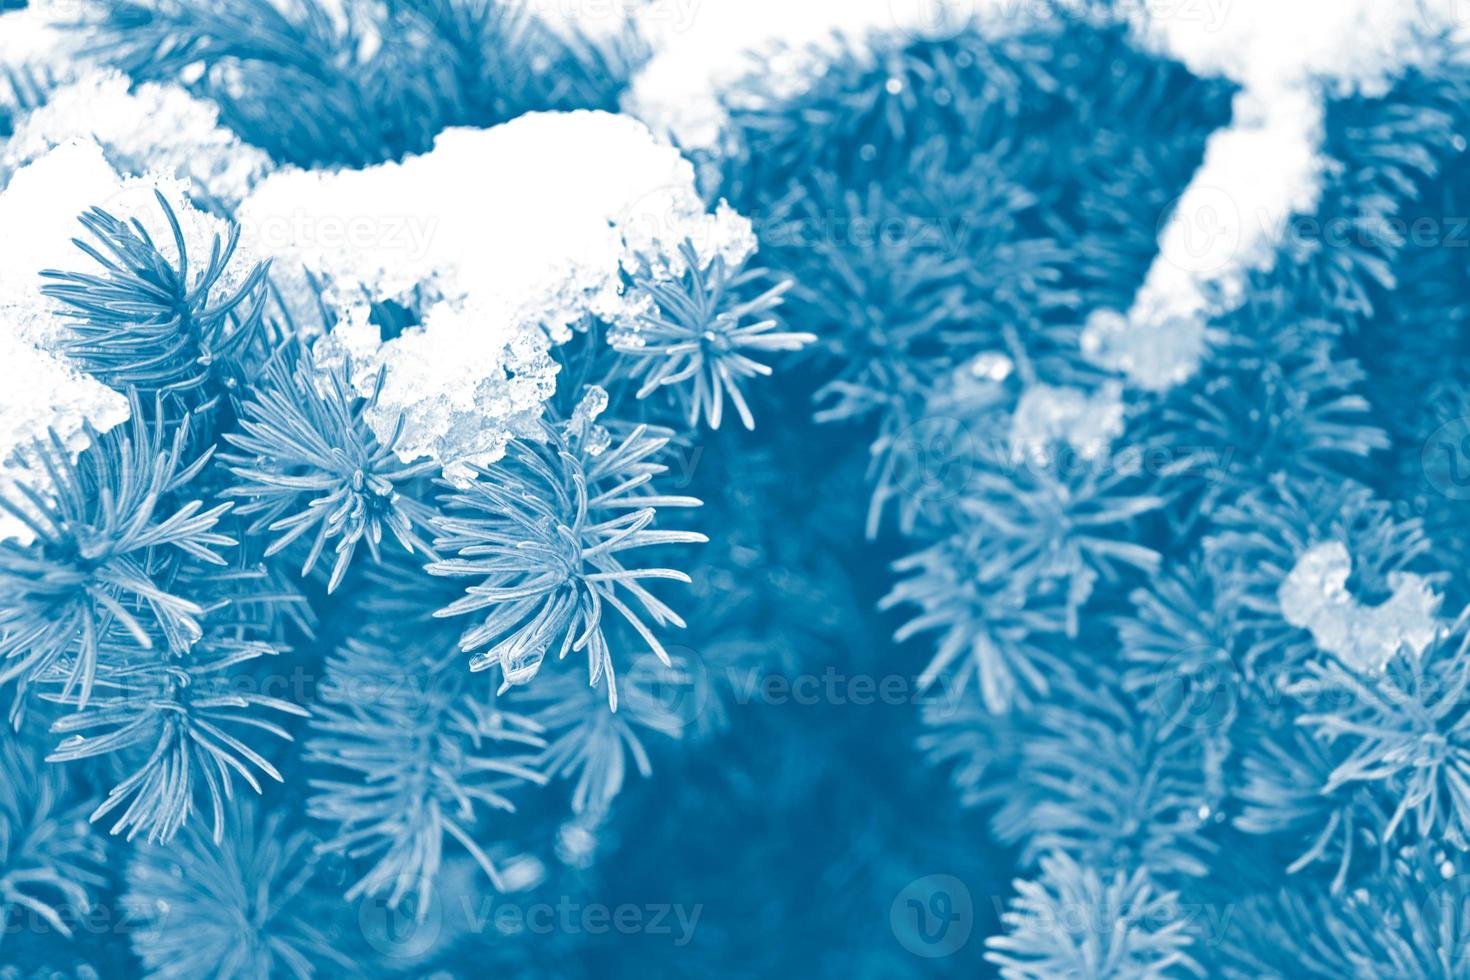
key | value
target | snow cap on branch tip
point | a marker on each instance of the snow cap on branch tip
(498, 243)
(45, 391)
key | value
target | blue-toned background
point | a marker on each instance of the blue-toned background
(680, 488)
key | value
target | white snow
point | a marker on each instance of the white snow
(501, 240)
(1314, 596)
(156, 128)
(709, 55)
(36, 34)
(47, 197)
(35, 46)
(1048, 415)
(1268, 46)
(43, 392)
(990, 366)
(704, 49)
(1266, 167)
(1154, 354)
(1256, 175)
(40, 389)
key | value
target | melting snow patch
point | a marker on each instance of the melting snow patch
(1314, 596)
(499, 241)
(1266, 167)
(1047, 415)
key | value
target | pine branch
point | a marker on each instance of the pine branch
(234, 907)
(50, 863)
(108, 540)
(411, 752)
(699, 339)
(311, 468)
(182, 326)
(546, 532)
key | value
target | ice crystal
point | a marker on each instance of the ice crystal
(1315, 597)
(583, 430)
